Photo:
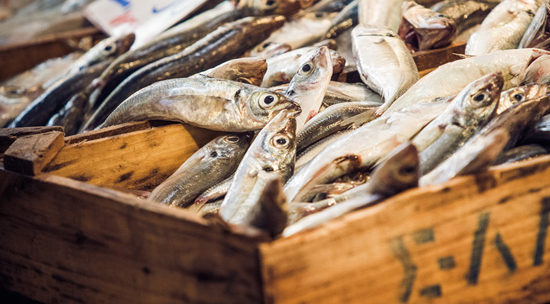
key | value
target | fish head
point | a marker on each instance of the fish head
(228, 147)
(398, 172)
(424, 29)
(114, 46)
(279, 142)
(520, 94)
(478, 101)
(263, 104)
(268, 49)
(314, 66)
(124, 43)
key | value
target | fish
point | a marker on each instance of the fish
(309, 84)
(209, 209)
(383, 62)
(273, 150)
(226, 42)
(539, 29)
(310, 152)
(382, 15)
(538, 71)
(520, 153)
(210, 165)
(39, 111)
(469, 111)
(424, 29)
(519, 94)
(270, 49)
(248, 70)
(212, 194)
(398, 172)
(215, 104)
(362, 148)
(279, 7)
(465, 13)
(503, 28)
(340, 92)
(335, 118)
(345, 20)
(450, 78)
(328, 6)
(345, 49)
(70, 115)
(281, 68)
(299, 31)
(483, 148)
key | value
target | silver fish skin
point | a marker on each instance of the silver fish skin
(210, 165)
(345, 20)
(481, 150)
(269, 209)
(465, 13)
(338, 92)
(520, 153)
(335, 118)
(465, 116)
(380, 14)
(538, 71)
(451, 78)
(270, 49)
(209, 209)
(473, 106)
(345, 48)
(309, 84)
(300, 31)
(107, 48)
(214, 193)
(503, 27)
(383, 62)
(520, 94)
(263, 7)
(310, 152)
(273, 150)
(352, 152)
(210, 103)
(281, 68)
(397, 173)
(248, 70)
(535, 33)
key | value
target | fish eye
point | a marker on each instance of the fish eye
(306, 67)
(266, 44)
(518, 97)
(268, 100)
(281, 141)
(214, 154)
(108, 48)
(318, 15)
(479, 97)
(270, 2)
(407, 170)
(233, 139)
(268, 169)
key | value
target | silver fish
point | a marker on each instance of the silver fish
(466, 13)
(338, 92)
(273, 150)
(383, 62)
(311, 151)
(263, 7)
(309, 84)
(248, 70)
(380, 14)
(208, 166)
(398, 172)
(503, 27)
(215, 104)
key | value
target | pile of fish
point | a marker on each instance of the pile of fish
(301, 144)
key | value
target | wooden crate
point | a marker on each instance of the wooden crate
(67, 236)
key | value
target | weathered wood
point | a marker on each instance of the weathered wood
(30, 154)
(109, 131)
(137, 160)
(66, 241)
(9, 135)
(476, 239)
(430, 59)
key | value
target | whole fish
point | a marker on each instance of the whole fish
(210, 103)
(248, 70)
(397, 173)
(465, 13)
(345, 20)
(503, 28)
(538, 71)
(226, 42)
(273, 150)
(466, 115)
(424, 29)
(384, 62)
(515, 95)
(539, 29)
(264, 7)
(333, 119)
(383, 15)
(481, 150)
(520, 153)
(39, 111)
(451, 78)
(281, 68)
(352, 151)
(299, 31)
(211, 164)
(309, 84)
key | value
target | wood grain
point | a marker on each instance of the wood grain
(476, 239)
(136, 160)
(30, 154)
(9, 135)
(66, 241)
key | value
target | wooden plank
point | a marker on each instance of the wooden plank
(9, 135)
(30, 154)
(68, 241)
(476, 239)
(137, 160)
(109, 131)
(426, 60)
